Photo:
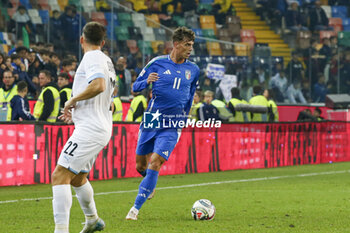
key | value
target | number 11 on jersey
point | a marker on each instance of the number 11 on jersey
(177, 82)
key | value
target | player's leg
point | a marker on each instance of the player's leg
(142, 163)
(62, 197)
(147, 185)
(85, 196)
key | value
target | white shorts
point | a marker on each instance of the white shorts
(79, 155)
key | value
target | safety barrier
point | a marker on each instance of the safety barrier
(29, 152)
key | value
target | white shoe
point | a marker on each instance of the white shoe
(132, 215)
(151, 195)
(98, 225)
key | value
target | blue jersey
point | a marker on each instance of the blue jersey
(173, 92)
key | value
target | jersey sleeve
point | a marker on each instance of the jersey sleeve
(94, 67)
(194, 85)
(141, 81)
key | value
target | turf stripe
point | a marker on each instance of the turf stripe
(197, 185)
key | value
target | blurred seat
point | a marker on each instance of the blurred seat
(44, 14)
(233, 25)
(204, 9)
(148, 34)
(303, 39)
(135, 33)
(336, 23)
(122, 33)
(200, 49)
(152, 21)
(160, 34)
(180, 21)
(209, 33)
(192, 22)
(339, 12)
(145, 47)
(214, 49)
(198, 32)
(248, 36)
(327, 34)
(241, 49)
(227, 49)
(262, 51)
(344, 38)
(207, 22)
(346, 24)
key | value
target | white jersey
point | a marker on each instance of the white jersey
(93, 117)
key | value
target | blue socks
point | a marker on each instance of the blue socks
(146, 187)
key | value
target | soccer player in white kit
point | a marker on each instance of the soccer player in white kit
(89, 109)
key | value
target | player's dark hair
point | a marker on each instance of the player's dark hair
(63, 75)
(94, 33)
(182, 34)
(21, 85)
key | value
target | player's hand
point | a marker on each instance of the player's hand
(67, 111)
(152, 77)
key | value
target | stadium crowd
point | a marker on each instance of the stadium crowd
(47, 69)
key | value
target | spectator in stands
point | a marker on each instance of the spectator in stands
(20, 105)
(334, 43)
(207, 84)
(23, 54)
(19, 43)
(188, 6)
(208, 111)
(34, 63)
(294, 93)
(318, 18)
(238, 116)
(117, 108)
(7, 92)
(294, 19)
(55, 59)
(70, 29)
(259, 100)
(22, 19)
(345, 73)
(295, 69)
(278, 85)
(48, 104)
(197, 102)
(221, 8)
(305, 115)
(273, 110)
(102, 5)
(320, 89)
(160, 50)
(17, 64)
(261, 77)
(47, 64)
(137, 107)
(326, 49)
(65, 88)
(68, 67)
(306, 90)
(2, 66)
(56, 34)
(124, 77)
(317, 114)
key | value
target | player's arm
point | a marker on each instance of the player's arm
(146, 77)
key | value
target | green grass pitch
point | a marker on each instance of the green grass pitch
(310, 198)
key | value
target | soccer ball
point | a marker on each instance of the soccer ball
(203, 209)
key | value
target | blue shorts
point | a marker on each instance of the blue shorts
(161, 142)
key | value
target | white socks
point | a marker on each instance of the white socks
(85, 195)
(62, 202)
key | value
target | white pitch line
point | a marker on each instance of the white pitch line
(196, 185)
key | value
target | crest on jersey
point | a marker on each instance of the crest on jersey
(188, 74)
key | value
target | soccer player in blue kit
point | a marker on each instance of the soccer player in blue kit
(174, 80)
